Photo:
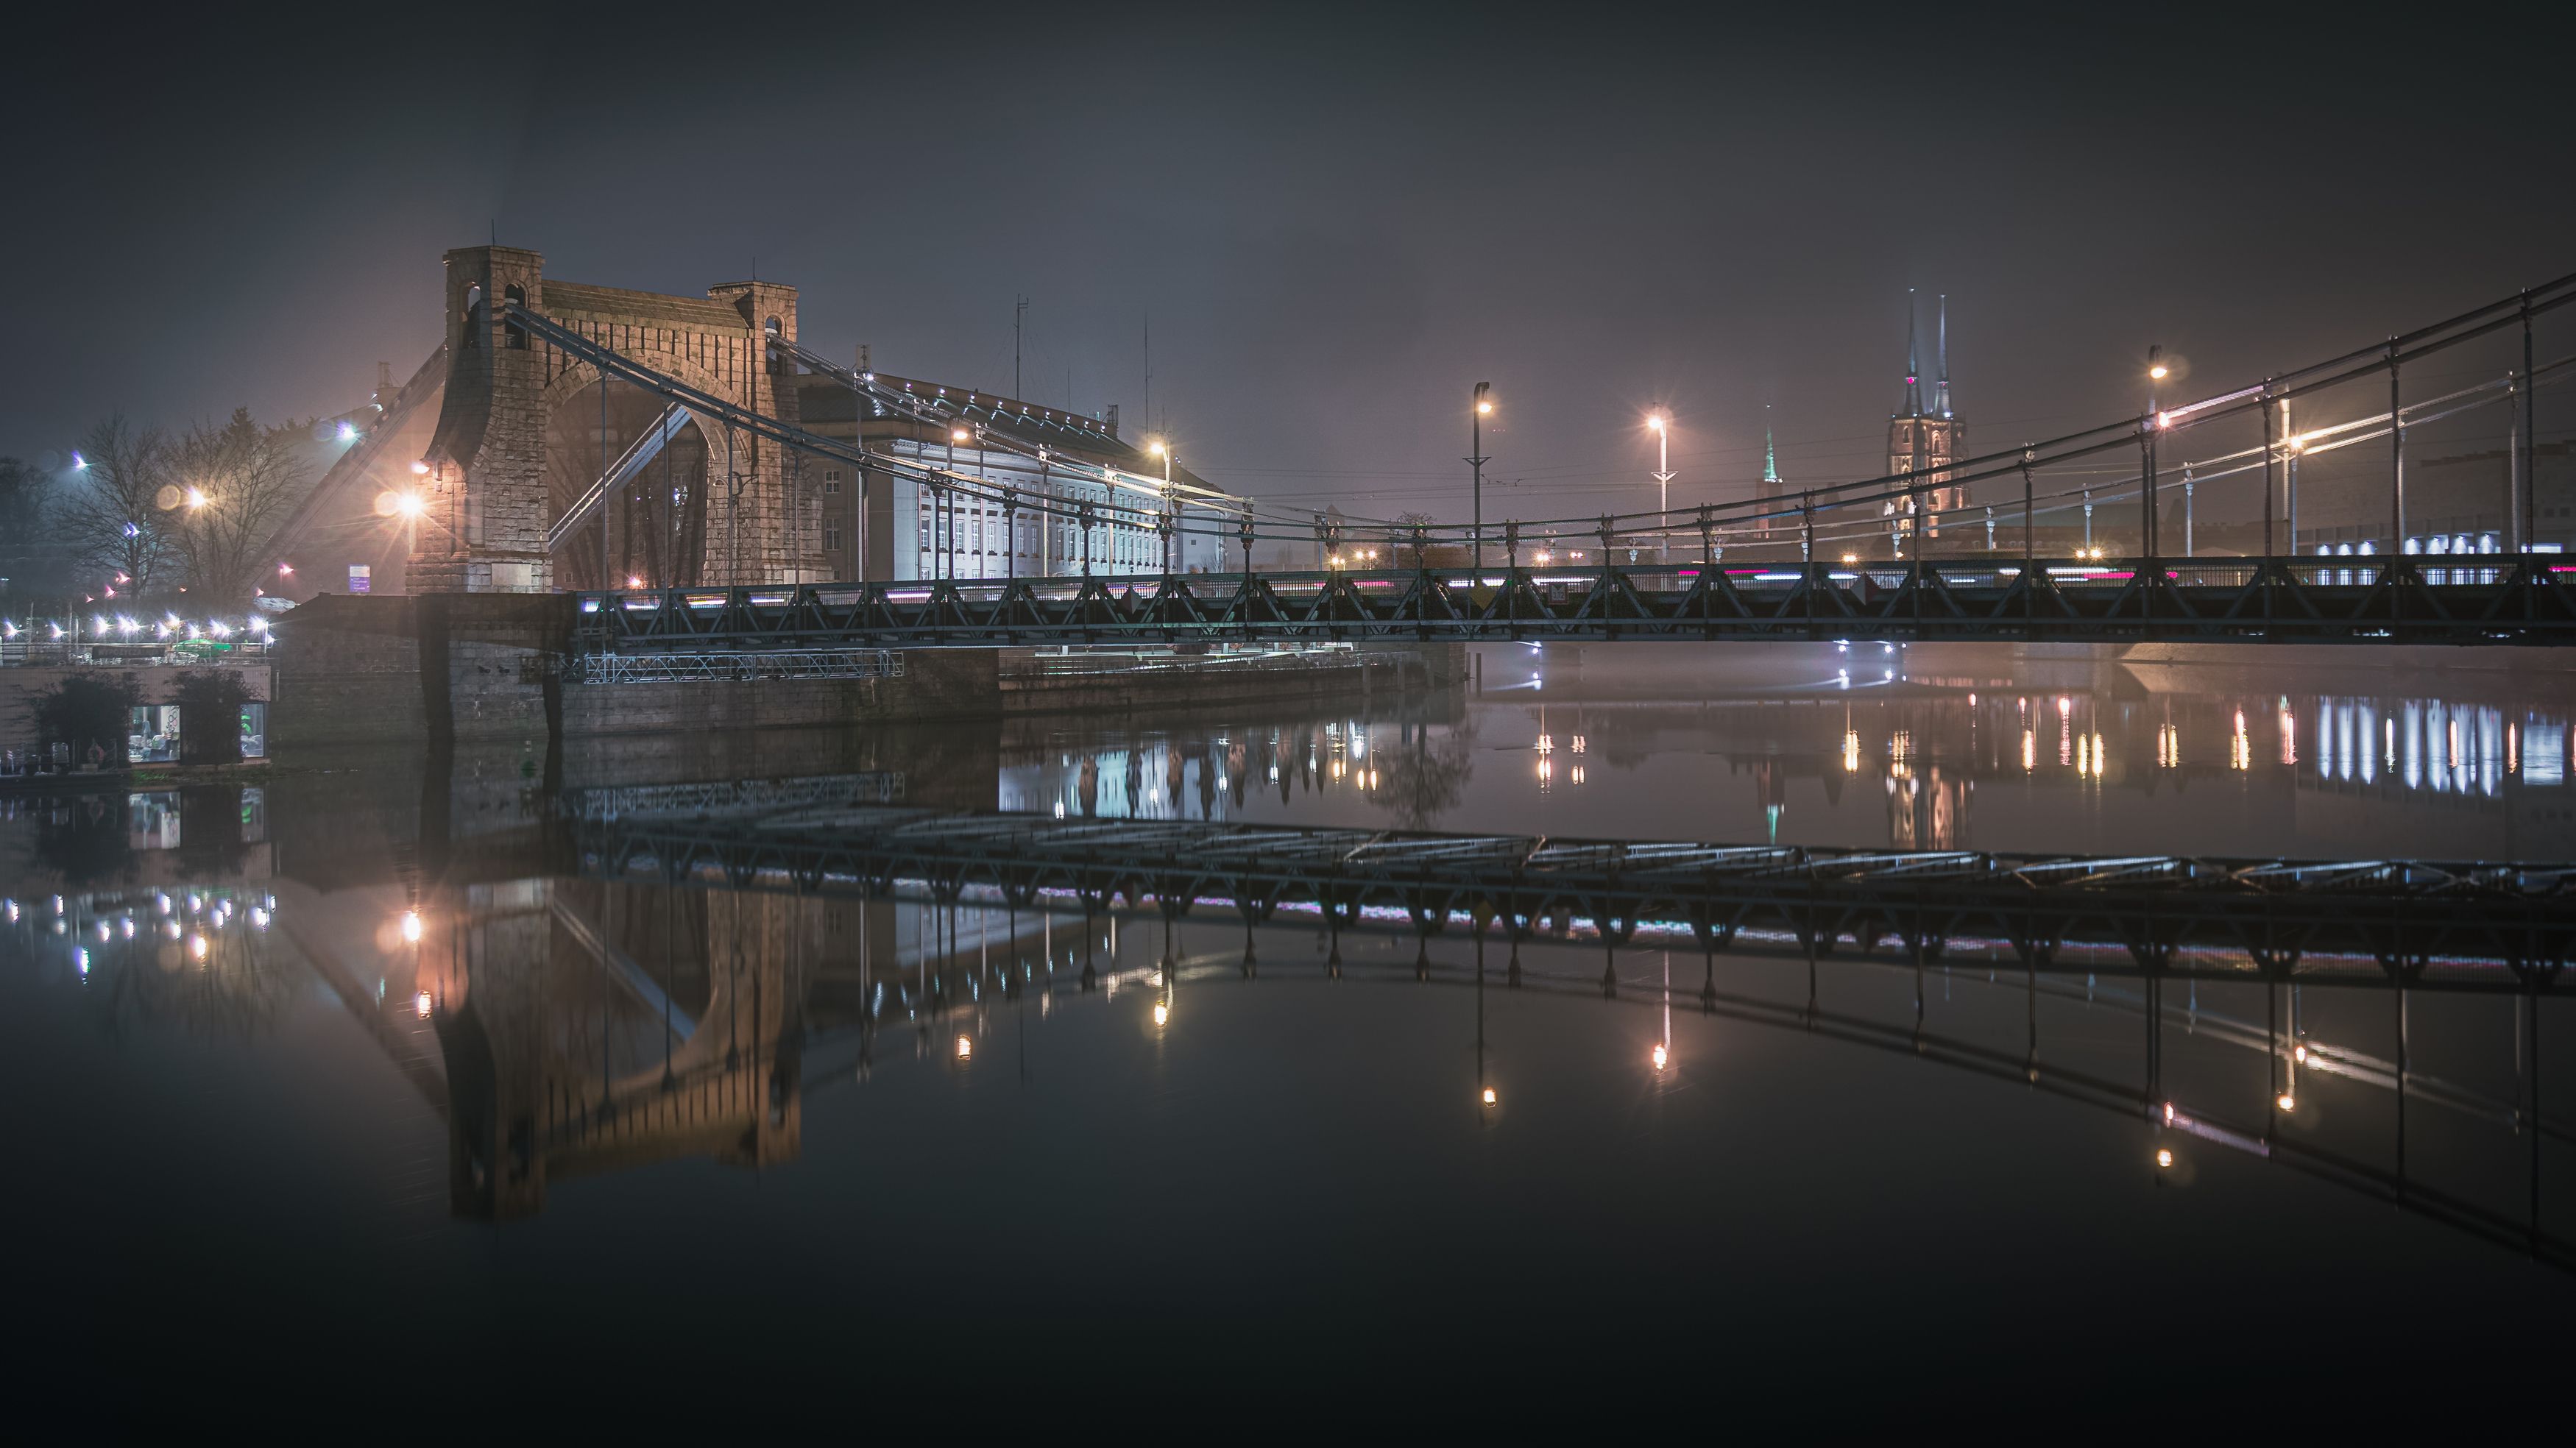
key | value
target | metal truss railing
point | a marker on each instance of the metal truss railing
(2499, 599)
(2424, 923)
(734, 666)
(730, 797)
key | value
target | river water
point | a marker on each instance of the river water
(365, 1075)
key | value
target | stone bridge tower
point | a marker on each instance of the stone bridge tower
(489, 497)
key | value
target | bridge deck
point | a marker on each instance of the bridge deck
(2480, 599)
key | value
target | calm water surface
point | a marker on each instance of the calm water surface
(358, 1081)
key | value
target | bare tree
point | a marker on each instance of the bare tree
(231, 484)
(31, 556)
(114, 523)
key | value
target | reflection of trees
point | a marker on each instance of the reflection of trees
(1421, 779)
(84, 840)
(238, 988)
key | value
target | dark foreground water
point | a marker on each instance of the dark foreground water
(357, 1089)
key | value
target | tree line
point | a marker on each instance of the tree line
(149, 514)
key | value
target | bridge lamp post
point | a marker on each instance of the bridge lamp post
(1476, 462)
(1163, 450)
(2157, 372)
(948, 540)
(1663, 482)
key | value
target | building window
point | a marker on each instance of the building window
(831, 539)
(831, 482)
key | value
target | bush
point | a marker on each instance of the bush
(210, 707)
(86, 709)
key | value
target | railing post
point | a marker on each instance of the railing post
(2025, 510)
(2186, 511)
(2269, 455)
(2529, 426)
(2147, 487)
(1010, 534)
(2396, 457)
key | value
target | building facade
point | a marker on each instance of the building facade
(880, 524)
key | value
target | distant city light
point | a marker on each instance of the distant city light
(2164, 1156)
(1489, 1095)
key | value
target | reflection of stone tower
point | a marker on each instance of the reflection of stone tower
(1925, 442)
(561, 1060)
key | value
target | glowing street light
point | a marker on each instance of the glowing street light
(196, 498)
(1162, 449)
(1662, 427)
(1476, 463)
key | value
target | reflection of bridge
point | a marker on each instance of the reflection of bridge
(2418, 923)
(517, 1066)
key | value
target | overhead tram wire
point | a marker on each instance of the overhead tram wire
(1843, 499)
(789, 435)
(2361, 363)
(927, 412)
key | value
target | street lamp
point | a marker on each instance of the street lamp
(1663, 481)
(2156, 372)
(1476, 461)
(1162, 450)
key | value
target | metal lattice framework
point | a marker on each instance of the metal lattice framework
(675, 666)
(2472, 925)
(723, 797)
(2518, 600)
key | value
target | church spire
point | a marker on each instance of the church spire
(1941, 389)
(1770, 458)
(1913, 372)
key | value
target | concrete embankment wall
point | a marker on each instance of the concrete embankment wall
(477, 668)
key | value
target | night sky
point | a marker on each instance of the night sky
(1338, 221)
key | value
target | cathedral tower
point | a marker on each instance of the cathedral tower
(1925, 442)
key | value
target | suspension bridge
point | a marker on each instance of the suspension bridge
(1057, 531)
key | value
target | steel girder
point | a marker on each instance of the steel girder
(2484, 599)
